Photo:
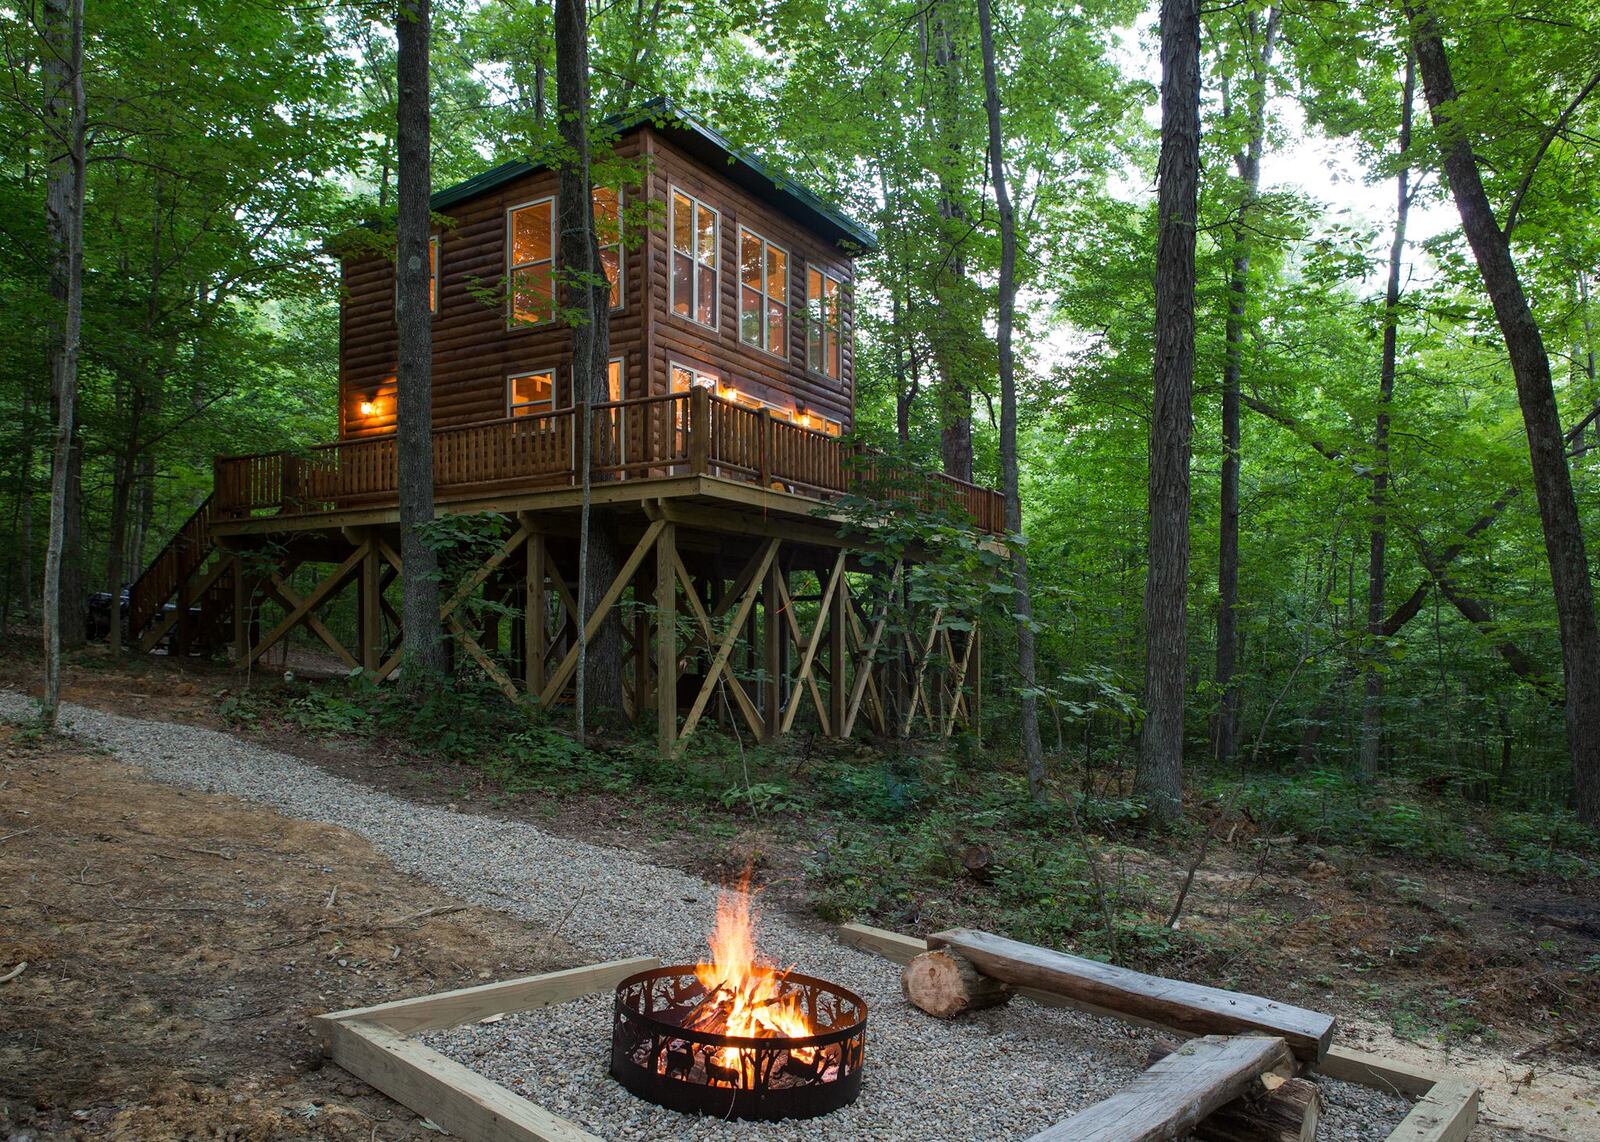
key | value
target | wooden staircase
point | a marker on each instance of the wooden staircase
(196, 577)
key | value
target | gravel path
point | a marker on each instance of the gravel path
(1004, 1073)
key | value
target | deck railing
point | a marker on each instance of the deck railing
(695, 432)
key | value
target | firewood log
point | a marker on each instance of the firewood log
(946, 984)
(1279, 1109)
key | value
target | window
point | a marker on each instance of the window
(531, 394)
(614, 378)
(823, 310)
(685, 378)
(433, 276)
(608, 231)
(763, 294)
(531, 259)
(694, 259)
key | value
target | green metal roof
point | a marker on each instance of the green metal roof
(747, 170)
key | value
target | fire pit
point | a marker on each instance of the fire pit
(738, 1038)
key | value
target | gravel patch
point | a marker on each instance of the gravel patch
(1004, 1073)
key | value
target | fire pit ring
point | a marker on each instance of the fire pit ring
(657, 1058)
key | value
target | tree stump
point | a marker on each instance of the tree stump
(1279, 1109)
(946, 984)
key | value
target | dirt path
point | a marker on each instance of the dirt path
(177, 943)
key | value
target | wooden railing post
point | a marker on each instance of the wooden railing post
(699, 430)
(766, 447)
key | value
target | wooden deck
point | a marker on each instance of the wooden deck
(695, 435)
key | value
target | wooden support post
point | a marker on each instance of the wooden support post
(838, 656)
(666, 639)
(764, 471)
(369, 628)
(699, 430)
(241, 613)
(536, 616)
(725, 649)
(772, 660)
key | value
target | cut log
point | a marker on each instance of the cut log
(1188, 1007)
(1274, 1109)
(1173, 1097)
(946, 984)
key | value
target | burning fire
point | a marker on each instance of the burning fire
(744, 996)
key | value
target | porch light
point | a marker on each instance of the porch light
(368, 407)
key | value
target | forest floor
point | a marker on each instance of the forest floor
(1489, 974)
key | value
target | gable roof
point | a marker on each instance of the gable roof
(741, 167)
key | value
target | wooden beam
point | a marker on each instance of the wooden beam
(958, 701)
(1170, 1098)
(536, 615)
(838, 652)
(725, 648)
(867, 663)
(496, 675)
(666, 640)
(808, 656)
(470, 584)
(469, 1004)
(1365, 1069)
(277, 585)
(1447, 1113)
(1192, 1007)
(771, 650)
(563, 673)
(442, 1090)
(370, 627)
(747, 708)
(917, 691)
(792, 622)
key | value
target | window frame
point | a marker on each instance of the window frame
(619, 245)
(821, 323)
(555, 392)
(696, 265)
(788, 308)
(512, 321)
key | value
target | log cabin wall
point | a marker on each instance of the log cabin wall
(475, 350)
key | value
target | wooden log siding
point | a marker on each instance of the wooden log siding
(671, 434)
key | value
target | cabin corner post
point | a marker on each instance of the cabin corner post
(666, 639)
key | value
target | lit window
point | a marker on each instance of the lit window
(614, 378)
(685, 378)
(694, 259)
(608, 231)
(824, 303)
(532, 394)
(763, 294)
(531, 242)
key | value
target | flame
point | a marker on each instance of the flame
(745, 996)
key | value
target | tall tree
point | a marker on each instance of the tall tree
(1552, 481)
(1028, 730)
(424, 648)
(1260, 38)
(65, 119)
(586, 296)
(1159, 776)
(1378, 536)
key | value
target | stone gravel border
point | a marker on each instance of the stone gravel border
(1003, 1073)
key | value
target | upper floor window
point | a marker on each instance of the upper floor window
(694, 259)
(608, 232)
(824, 308)
(763, 294)
(531, 394)
(531, 260)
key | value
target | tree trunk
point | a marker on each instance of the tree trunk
(1248, 164)
(424, 647)
(1552, 481)
(65, 119)
(1159, 776)
(1028, 729)
(1378, 539)
(951, 343)
(587, 296)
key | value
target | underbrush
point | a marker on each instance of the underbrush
(1396, 815)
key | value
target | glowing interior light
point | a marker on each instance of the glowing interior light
(367, 408)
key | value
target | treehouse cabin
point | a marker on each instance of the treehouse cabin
(713, 464)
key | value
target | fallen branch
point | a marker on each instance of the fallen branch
(18, 833)
(425, 914)
(14, 972)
